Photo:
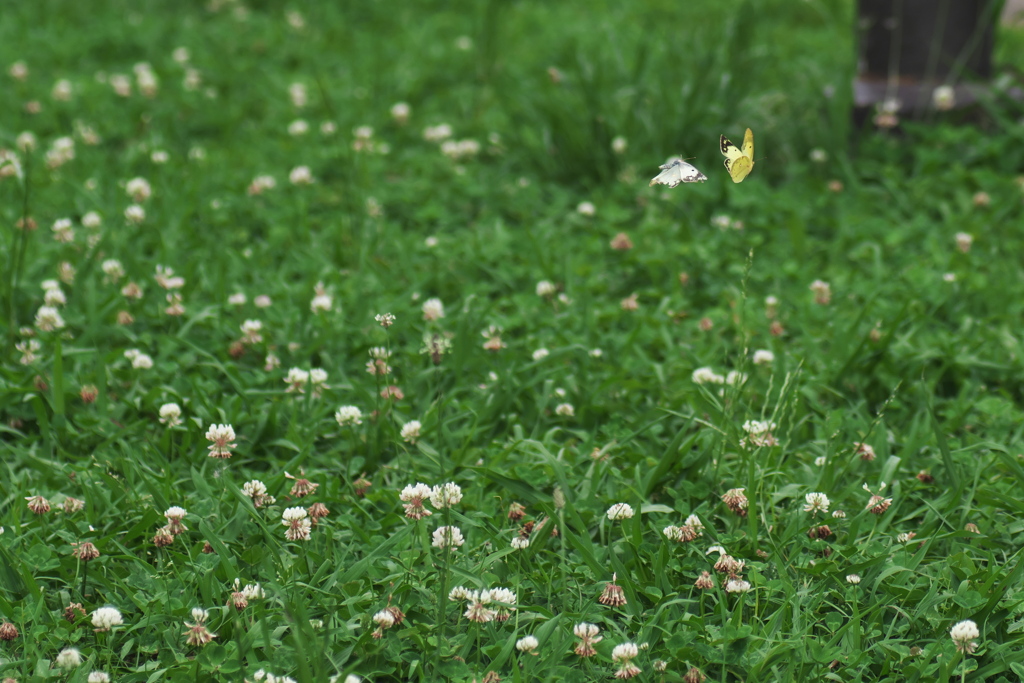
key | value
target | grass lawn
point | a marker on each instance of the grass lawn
(347, 341)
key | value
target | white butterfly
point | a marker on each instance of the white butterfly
(678, 171)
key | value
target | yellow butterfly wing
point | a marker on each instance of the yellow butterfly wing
(739, 162)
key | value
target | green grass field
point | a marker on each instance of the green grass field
(288, 289)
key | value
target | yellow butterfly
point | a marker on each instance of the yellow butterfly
(739, 162)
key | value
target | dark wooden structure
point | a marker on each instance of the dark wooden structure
(908, 48)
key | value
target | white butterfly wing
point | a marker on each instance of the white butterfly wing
(678, 171)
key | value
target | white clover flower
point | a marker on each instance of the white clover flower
(400, 112)
(297, 93)
(411, 431)
(503, 595)
(963, 634)
(237, 299)
(754, 427)
(527, 644)
(141, 361)
(445, 495)
(298, 523)
(321, 302)
(816, 502)
(105, 618)
(540, 354)
(170, 414)
(54, 297)
(619, 144)
(433, 309)
(818, 155)
(98, 677)
(624, 651)
(437, 133)
(586, 209)
(620, 511)
(301, 175)
(736, 585)
(134, 214)
(565, 410)
(253, 591)
(138, 189)
(68, 658)
(822, 291)
(113, 269)
(175, 513)
(853, 579)
(964, 241)
(221, 436)
(384, 619)
(348, 415)
(706, 376)
(62, 230)
(447, 537)
(519, 543)
(944, 97)
(693, 521)
(545, 288)
(460, 593)
(261, 184)
(251, 331)
(199, 615)
(298, 127)
(297, 380)
(763, 357)
(48, 319)
(26, 141)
